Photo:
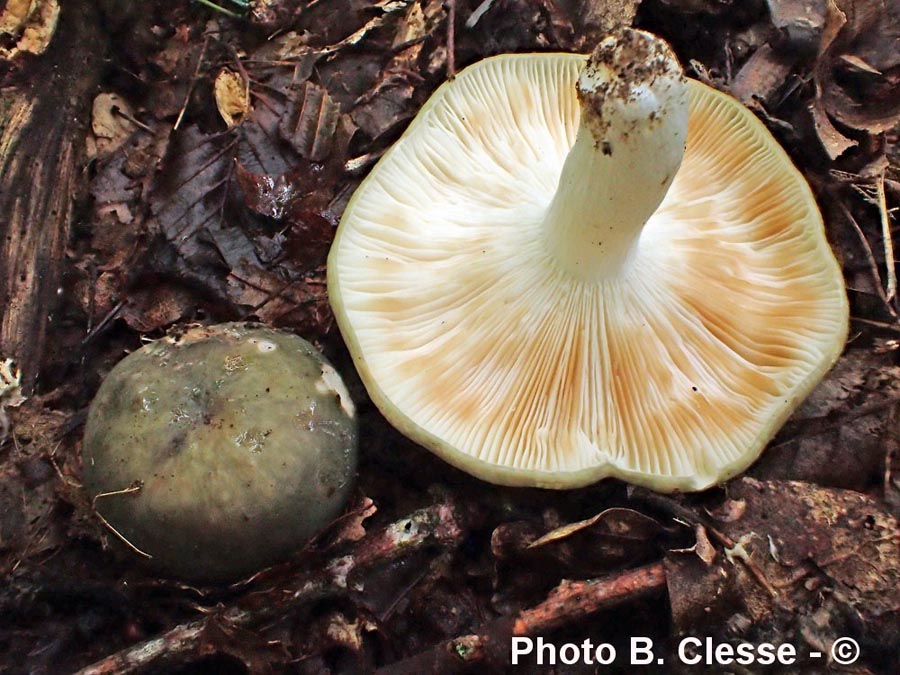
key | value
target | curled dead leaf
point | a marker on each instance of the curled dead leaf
(857, 72)
(762, 76)
(620, 522)
(729, 511)
(349, 527)
(834, 142)
(704, 548)
(111, 124)
(232, 93)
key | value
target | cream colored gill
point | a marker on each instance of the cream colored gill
(476, 342)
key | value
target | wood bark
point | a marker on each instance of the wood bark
(44, 111)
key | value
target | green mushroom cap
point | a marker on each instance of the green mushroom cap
(220, 451)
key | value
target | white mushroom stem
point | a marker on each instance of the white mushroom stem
(629, 145)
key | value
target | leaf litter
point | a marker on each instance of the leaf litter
(229, 149)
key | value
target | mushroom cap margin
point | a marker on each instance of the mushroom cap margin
(833, 317)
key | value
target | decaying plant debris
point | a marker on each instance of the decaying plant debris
(165, 163)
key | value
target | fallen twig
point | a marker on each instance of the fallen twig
(567, 603)
(194, 77)
(873, 264)
(451, 39)
(437, 525)
(889, 261)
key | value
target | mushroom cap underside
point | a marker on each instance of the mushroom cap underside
(673, 374)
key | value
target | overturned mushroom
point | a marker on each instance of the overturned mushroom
(540, 284)
(220, 451)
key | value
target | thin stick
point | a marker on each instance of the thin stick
(219, 8)
(190, 90)
(889, 261)
(451, 39)
(438, 525)
(131, 118)
(870, 256)
(888, 471)
(130, 490)
(568, 603)
(877, 324)
(574, 600)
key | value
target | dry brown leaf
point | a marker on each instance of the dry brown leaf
(110, 123)
(729, 511)
(232, 95)
(15, 15)
(616, 521)
(31, 24)
(349, 527)
(153, 307)
(412, 27)
(857, 71)
(704, 548)
(834, 142)
(348, 634)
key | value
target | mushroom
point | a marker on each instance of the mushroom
(221, 451)
(541, 284)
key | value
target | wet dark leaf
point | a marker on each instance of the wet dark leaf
(155, 307)
(266, 195)
(309, 238)
(191, 191)
(299, 303)
(699, 6)
(314, 126)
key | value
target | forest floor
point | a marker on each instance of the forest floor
(214, 161)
